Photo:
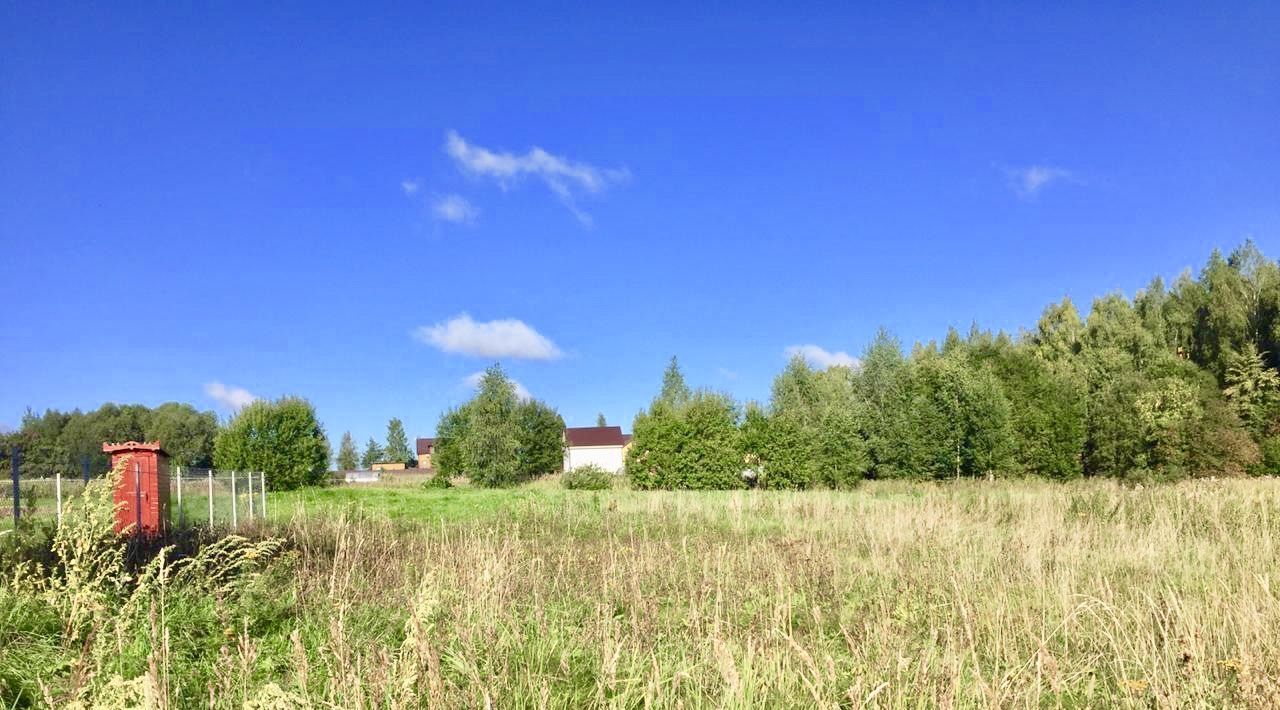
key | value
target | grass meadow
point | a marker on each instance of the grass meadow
(969, 594)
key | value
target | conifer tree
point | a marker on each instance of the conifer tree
(398, 443)
(674, 390)
(373, 453)
(348, 457)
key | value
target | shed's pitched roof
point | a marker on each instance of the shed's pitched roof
(594, 436)
(110, 448)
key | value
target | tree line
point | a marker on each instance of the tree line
(61, 442)
(283, 438)
(396, 449)
(1180, 381)
(495, 439)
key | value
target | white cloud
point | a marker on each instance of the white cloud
(494, 339)
(562, 176)
(473, 381)
(233, 398)
(410, 187)
(1028, 181)
(728, 374)
(821, 357)
(454, 208)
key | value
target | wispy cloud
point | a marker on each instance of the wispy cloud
(509, 338)
(566, 178)
(819, 356)
(1030, 180)
(473, 381)
(410, 187)
(228, 397)
(728, 374)
(454, 208)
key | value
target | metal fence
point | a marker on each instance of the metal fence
(207, 496)
(196, 497)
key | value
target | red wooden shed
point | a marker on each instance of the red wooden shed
(142, 497)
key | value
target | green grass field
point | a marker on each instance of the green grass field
(972, 594)
(412, 504)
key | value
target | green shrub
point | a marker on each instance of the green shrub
(32, 541)
(437, 481)
(694, 444)
(588, 478)
(283, 438)
(1270, 464)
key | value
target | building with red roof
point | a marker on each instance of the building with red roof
(604, 446)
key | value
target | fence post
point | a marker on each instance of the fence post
(15, 460)
(181, 517)
(234, 522)
(210, 497)
(263, 487)
(137, 495)
(249, 477)
(84, 469)
(57, 492)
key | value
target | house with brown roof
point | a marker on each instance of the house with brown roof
(603, 446)
(426, 449)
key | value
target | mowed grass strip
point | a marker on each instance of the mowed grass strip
(408, 504)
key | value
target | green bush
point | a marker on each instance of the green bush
(694, 444)
(589, 477)
(32, 541)
(437, 481)
(283, 438)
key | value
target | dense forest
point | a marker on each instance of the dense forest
(1180, 381)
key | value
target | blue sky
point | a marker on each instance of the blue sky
(365, 205)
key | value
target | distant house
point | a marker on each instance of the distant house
(426, 449)
(388, 466)
(603, 446)
(360, 476)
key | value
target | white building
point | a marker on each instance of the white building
(601, 445)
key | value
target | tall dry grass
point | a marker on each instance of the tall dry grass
(1005, 594)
